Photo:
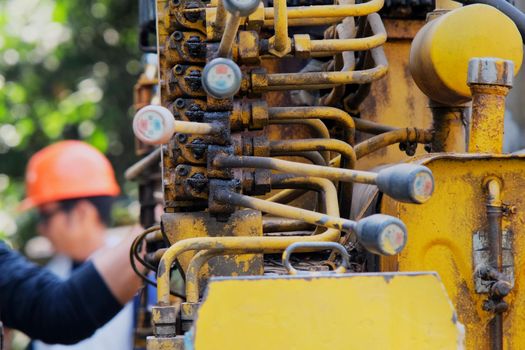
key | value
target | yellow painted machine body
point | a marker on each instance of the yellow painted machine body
(359, 311)
(366, 98)
(445, 237)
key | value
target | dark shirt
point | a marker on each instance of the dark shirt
(44, 307)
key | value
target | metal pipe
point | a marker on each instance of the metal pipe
(220, 20)
(494, 216)
(333, 145)
(317, 112)
(266, 244)
(228, 36)
(321, 80)
(139, 167)
(185, 127)
(490, 80)
(310, 22)
(315, 124)
(345, 30)
(392, 137)
(286, 196)
(282, 210)
(324, 11)
(320, 129)
(280, 42)
(371, 127)
(273, 224)
(314, 157)
(323, 186)
(336, 174)
(378, 38)
(346, 151)
(494, 209)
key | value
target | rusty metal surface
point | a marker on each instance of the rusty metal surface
(178, 226)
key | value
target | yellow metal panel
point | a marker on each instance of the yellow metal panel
(360, 311)
(441, 231)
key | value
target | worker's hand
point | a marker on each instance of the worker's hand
(113, 265)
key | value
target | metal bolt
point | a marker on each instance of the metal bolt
(182, 138)
(180, 103)
(182, 170)
(178, 69)
(177, 36)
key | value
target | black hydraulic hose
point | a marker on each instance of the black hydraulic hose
(511, 11)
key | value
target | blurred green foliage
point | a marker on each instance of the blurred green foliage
(67, 70)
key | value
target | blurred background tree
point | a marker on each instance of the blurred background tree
(67, 70)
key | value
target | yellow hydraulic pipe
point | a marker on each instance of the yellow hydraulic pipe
(371, 127)
(314, 157)
(318, 145)
(315, 124)
(321, 80)
(320, 129)
(228, 36)
(392, 137)
(336, 174)
(286, 211)
(286, 196)
(299, 22)
(220, 20)
(280, 44)
(324, 11)
(317, 112)
(323, 186)
(353, 44)
(266, 244)
(274, 224)
(490, 80)
(330, 203)
(185, 127)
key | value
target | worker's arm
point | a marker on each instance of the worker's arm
(55, 311)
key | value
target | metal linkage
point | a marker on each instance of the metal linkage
(236, 9)
(403, 182)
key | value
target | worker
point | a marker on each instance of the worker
(73, 185)
(68, 183)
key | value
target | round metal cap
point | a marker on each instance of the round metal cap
(242, 8)
(382, 234)
(490, 71)
(221, 78)
(422, 185)
(153, 125)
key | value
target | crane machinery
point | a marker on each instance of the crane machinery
(331, 175)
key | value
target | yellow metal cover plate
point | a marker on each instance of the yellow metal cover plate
(351, 311)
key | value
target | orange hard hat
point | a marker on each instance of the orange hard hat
(68, 170)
